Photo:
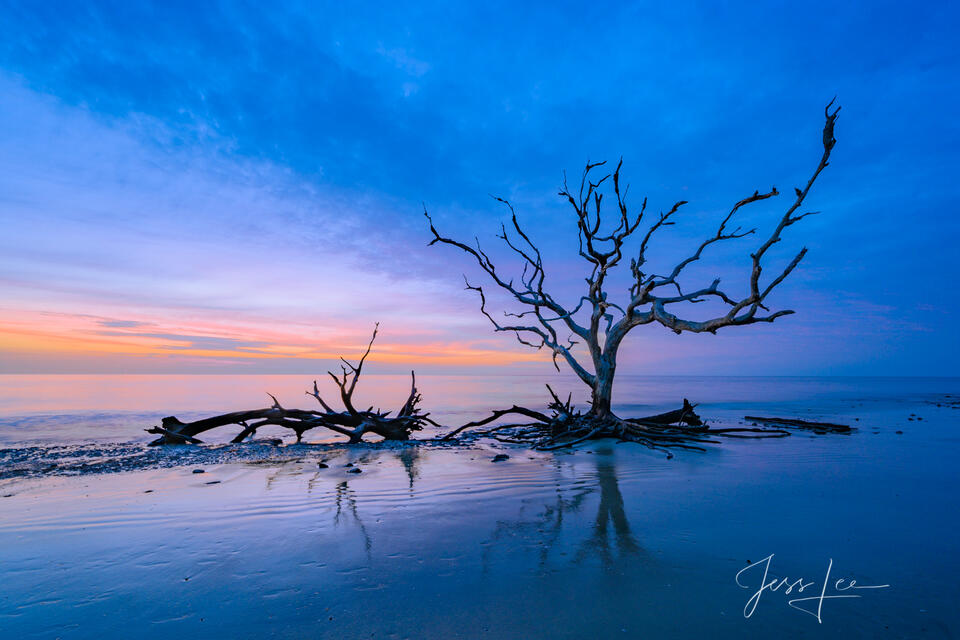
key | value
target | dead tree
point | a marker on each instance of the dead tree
(601, 324)
(350, 422)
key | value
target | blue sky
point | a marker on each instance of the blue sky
(237, 187)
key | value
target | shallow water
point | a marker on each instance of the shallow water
(440, 542)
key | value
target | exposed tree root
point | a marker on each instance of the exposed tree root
(352, 423)
(566, 427)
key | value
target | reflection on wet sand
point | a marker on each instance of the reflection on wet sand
(548, 527)
(432, 541)
(409, 457)
(609, 511)
(345, 497)
(561, 525)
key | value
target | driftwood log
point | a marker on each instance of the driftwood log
(788, 423)
(351, 422)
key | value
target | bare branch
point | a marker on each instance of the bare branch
(350, 374)
(351, 423)
(603, 250)
(316, 394)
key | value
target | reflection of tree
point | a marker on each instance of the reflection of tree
(548, 524)
(344, 497)
(281, 469)
(609, 511)
(409, 457)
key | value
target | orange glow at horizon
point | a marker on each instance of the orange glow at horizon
(85, 336)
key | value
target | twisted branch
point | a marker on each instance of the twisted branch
(351, 423)
(608, 322)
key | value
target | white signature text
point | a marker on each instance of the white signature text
(757, 576)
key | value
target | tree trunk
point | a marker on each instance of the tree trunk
(603, 387)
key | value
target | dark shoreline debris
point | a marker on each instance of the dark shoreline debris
(819, 427)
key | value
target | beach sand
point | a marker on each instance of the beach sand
(606, 540)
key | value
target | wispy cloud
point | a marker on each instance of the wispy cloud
(122, 324)
(191, 342)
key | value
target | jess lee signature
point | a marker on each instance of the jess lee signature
(830, 588)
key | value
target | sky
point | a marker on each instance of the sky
(239, 187)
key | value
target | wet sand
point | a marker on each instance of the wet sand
(608, 540)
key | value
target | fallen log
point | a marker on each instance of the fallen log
(823, 427)
(683, 415)
(351, 422)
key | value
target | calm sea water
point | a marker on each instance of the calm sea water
(101, 538)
